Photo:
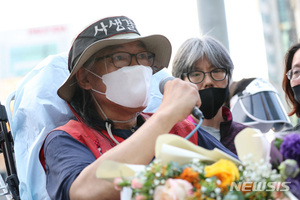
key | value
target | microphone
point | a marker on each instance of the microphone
(196, 111)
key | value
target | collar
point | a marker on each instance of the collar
(226, 113)
(226, 124)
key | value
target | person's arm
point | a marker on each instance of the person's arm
(65, 157)
(179, 99)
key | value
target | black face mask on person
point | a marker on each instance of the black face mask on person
(212, 99)
(296, 90)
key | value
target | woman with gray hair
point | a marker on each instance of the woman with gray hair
(206, 63)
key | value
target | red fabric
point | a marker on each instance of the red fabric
(183, 129)
(93, 140)
(87, 136)
(226, 114)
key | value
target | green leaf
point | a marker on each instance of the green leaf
(277, 143)
(234, 195)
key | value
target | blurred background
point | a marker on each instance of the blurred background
(257, 33)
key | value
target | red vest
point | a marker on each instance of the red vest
(97, 143)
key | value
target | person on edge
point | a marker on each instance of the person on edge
(291, 81)
(111, 67)
(206, 63)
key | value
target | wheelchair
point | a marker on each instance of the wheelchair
(9, 189)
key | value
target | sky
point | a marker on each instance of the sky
(176, 19)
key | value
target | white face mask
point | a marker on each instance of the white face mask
(128, 86)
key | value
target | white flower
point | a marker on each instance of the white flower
(208, 180)
(156, 182)
(218, 190)
(212, 195)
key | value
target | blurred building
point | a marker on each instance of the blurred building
(281, 29)
(21, 50)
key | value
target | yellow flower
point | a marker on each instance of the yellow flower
(225, 170)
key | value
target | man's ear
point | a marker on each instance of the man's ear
(83, 79)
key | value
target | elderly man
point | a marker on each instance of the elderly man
(111, 67)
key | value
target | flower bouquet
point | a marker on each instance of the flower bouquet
(289, 146)
(182, 170)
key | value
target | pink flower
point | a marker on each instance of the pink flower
(136, 184)
(174, 189)
(140, 197)
(278, 194)
(117, 181)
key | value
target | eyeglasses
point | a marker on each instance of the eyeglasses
(218, 74)
(293, 74)
(122, 59)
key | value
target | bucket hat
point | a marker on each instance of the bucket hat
(108, 32)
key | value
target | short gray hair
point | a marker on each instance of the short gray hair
(194, 49)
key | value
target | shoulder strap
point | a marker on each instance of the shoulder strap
(87, 136)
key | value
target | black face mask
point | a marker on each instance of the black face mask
(296, 91)
(212, 100)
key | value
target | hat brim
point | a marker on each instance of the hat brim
(158, 44)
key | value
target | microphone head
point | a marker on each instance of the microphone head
(163, 82)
